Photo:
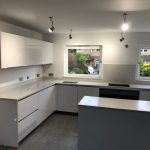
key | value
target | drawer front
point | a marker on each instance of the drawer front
(26, 125)
(27, 106)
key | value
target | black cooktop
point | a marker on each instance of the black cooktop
(118, 84)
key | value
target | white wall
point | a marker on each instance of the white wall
(10, 28)
(115, 55)
(12, 74)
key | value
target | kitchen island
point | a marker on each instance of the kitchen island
(113, 124)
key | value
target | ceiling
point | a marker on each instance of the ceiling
(79, 15)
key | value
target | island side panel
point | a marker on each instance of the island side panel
(8, 123)
(113, 129)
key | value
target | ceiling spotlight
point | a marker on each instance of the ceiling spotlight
(122, 38)
(70, 36)
(125, 25)
(52, 28)
(126, 46)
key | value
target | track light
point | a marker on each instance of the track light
(125, 25)
(126, 46)
(70, 36)
(122, 38)
(52, 28)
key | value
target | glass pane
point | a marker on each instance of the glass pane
(145, 63)
(84, 60)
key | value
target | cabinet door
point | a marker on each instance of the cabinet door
(46, 103)
(145, 95)
(52, 99)
(67, 98)
(87, 91)
(47, 53)
(12, 50)
(33, 51)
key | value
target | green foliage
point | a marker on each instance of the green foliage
(82, 62)
(82, 58)
(144, 68)
(76, 71)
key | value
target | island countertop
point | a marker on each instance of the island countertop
(113, 103)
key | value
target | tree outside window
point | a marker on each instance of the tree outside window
(145, 63)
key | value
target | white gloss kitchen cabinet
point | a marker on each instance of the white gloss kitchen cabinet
(19, 118)
(38, 52)
(12, 50)
(46, 103)
(67, 98)
(22, 51)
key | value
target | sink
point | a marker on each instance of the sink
(70, 82)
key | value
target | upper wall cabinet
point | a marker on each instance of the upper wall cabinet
(22, 51)
(12, 50)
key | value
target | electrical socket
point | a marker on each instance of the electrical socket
(50, 74)
(38, 75)
(20, 78)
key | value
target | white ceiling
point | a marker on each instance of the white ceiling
(79, 15)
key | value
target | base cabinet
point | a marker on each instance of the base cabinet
(87, 91)
(46, 103)
(144, 95)
(19, 118)
(27, 125)
(69, 96)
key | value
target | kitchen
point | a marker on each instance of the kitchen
(119, 63)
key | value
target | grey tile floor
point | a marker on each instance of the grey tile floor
(58, 132)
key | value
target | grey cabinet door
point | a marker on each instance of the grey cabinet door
(67, 98)
(87, 91)
(145, 95)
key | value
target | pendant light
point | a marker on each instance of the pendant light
(125, 25)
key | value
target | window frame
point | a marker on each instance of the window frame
(66, 74)
(138, 77)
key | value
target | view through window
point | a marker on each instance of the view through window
(144, 64)
(84, 60)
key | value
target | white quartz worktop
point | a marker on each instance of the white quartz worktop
(124, 104)
(103, 84)
(22, 90)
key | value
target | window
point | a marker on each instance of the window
(83, 61)
(144, 64)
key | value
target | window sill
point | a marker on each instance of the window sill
(142, 79)
(83, 77)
